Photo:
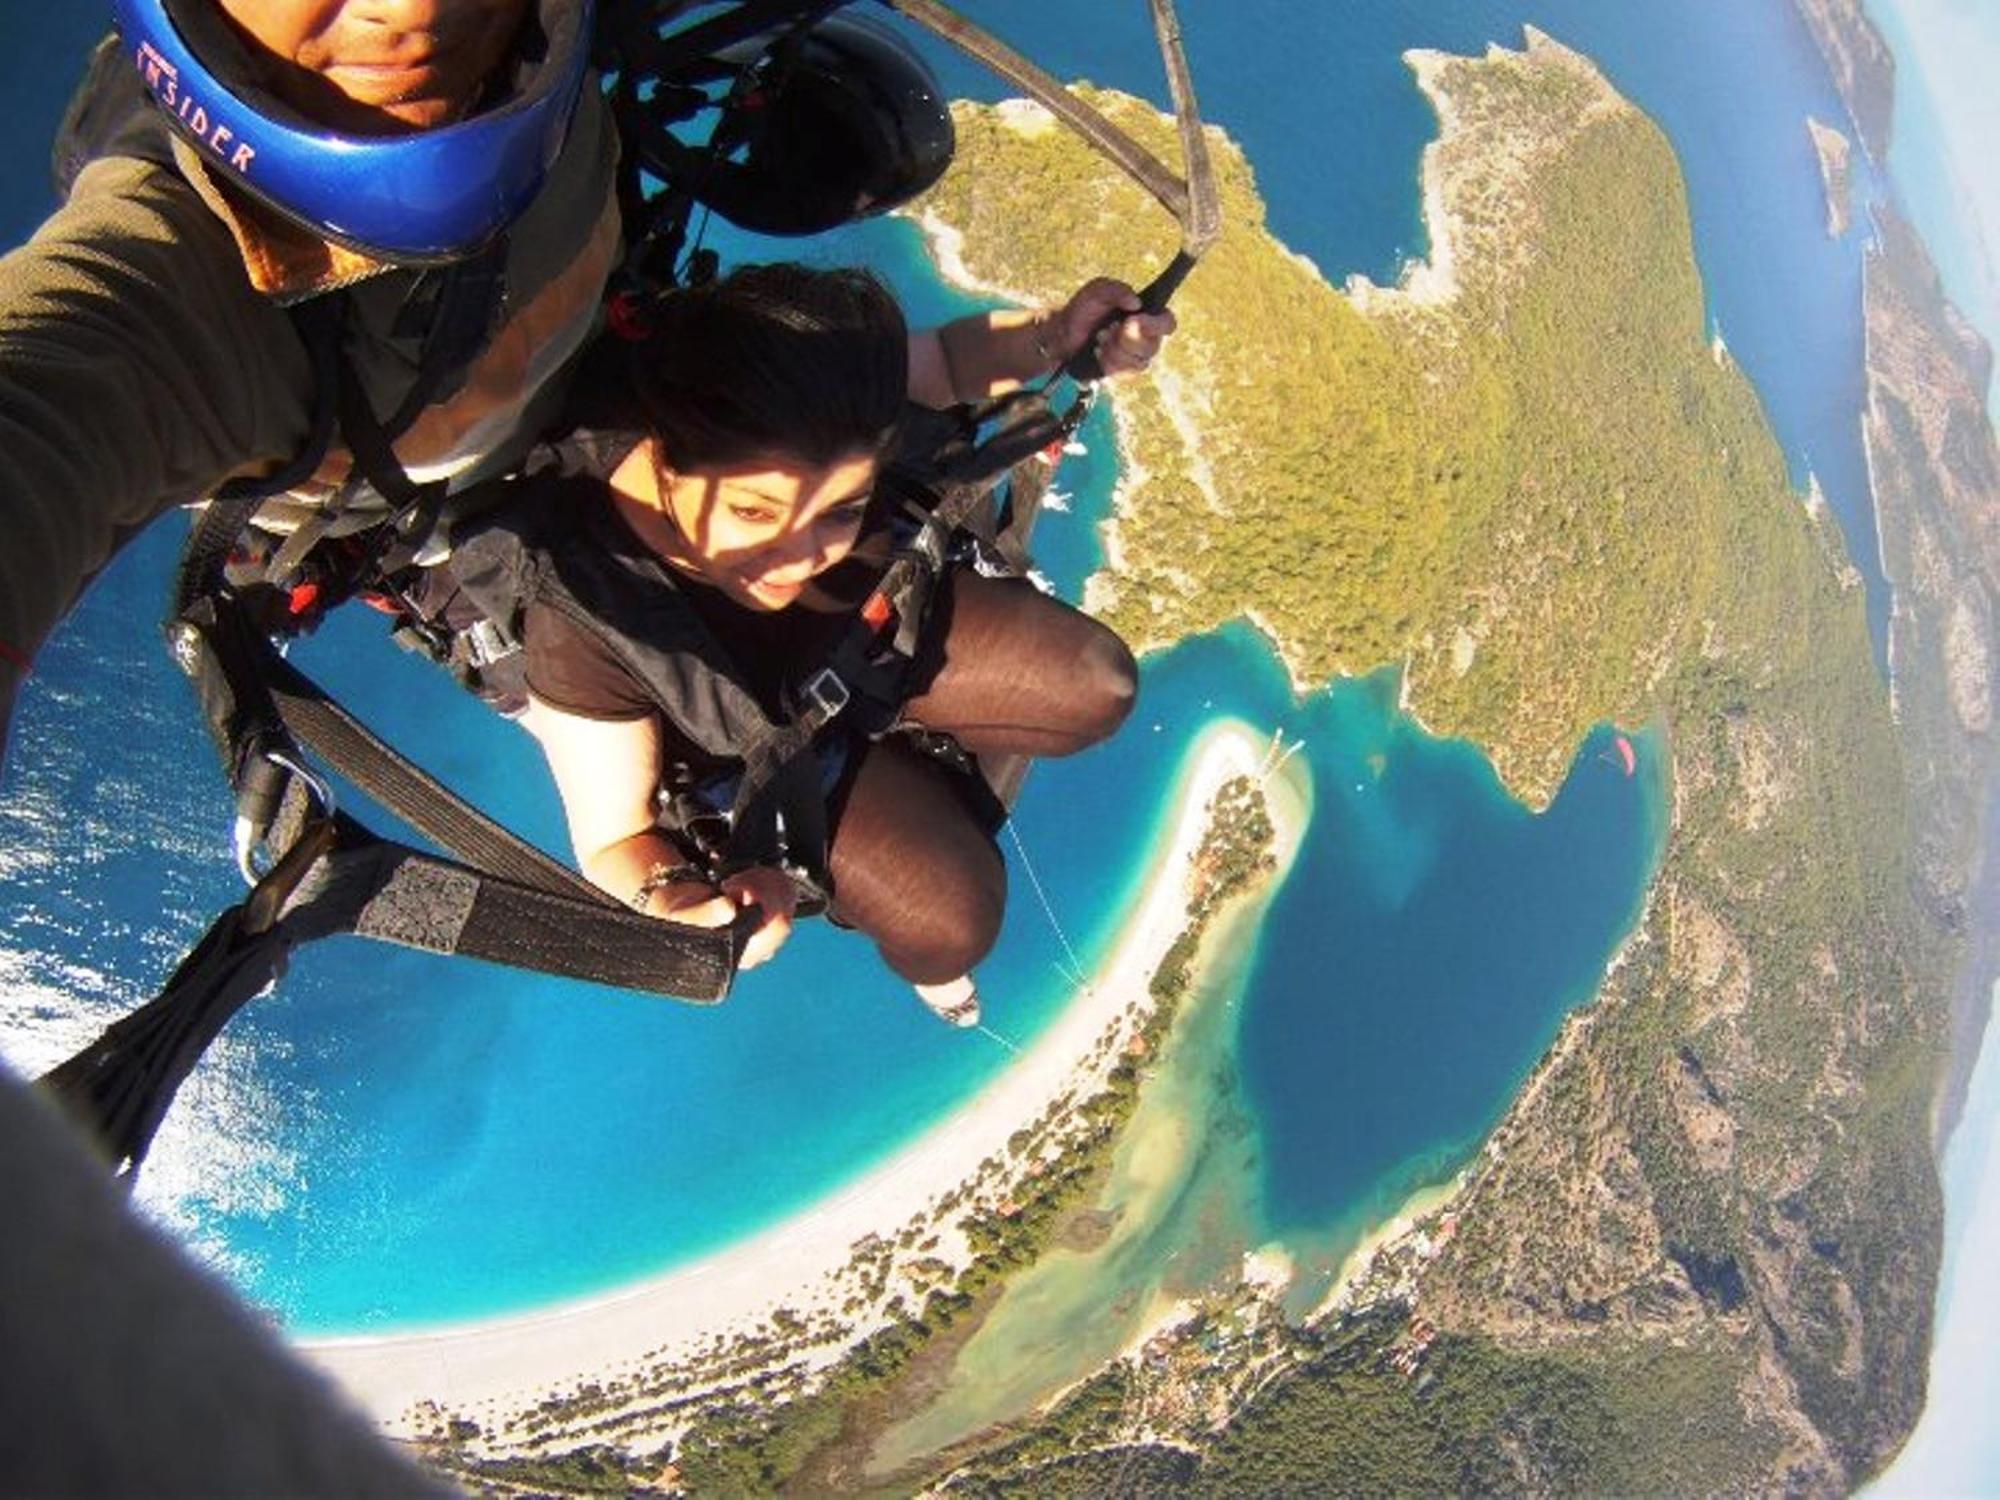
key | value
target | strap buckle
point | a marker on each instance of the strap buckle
(826, 694)
(486, 642)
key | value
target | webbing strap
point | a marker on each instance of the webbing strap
(468, 305)
(548, 917)
(375, 456)
(509, 902)
(405, 789)
(121, 1085)
(320, 323)
(396, 894)
(338, 878)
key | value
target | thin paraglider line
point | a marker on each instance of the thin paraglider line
(1003, 1041)
(1075, 963)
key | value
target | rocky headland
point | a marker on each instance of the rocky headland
(1935, 472)
(1862, 65)
(1835, 153)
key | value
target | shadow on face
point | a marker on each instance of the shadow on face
(377, 67)
(761, 531)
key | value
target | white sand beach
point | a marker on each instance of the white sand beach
(512, 1361)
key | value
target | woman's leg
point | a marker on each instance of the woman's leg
(1016, 672)
(1021, 673)
(913, 869)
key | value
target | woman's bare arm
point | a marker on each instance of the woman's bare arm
(992, 352)
(608, 773)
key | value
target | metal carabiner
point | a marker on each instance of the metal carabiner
(252, 828)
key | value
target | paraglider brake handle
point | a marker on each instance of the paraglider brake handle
(1192, 199)
(1084, 366)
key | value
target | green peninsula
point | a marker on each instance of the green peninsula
(1700, 1252)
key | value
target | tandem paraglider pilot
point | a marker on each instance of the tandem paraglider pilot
(286, 218)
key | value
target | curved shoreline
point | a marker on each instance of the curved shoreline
(517, 1359)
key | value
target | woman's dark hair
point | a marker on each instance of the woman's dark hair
(773, 360)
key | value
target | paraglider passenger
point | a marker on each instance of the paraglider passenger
(769, 402)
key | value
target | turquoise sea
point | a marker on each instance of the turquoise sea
(393, 1141)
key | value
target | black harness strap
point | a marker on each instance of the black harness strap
(121, 1085)
(320, 324)
(471, 296)
(461, 320)
(405, 789)
(339, 878)
(375, 888)
(559, 922)
(369, 441)
(779, 811)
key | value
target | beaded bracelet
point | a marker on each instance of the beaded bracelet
(659, 878)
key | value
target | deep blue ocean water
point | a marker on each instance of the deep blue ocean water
(394, 1140)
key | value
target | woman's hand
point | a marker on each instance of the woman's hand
(1122, 346)
(993, 352)
(769, 890)
(608, 772)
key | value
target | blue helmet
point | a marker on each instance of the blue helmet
(430, 196)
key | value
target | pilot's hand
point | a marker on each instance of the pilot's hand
(769, 890)
(1124, 345)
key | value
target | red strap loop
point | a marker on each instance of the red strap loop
(625, 316)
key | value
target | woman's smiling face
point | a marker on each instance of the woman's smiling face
(762, 530)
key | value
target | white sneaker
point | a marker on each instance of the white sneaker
(955, 1001)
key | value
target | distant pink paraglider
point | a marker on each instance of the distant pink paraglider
(1626, 754)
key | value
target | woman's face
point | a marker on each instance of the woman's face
(761, 530)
